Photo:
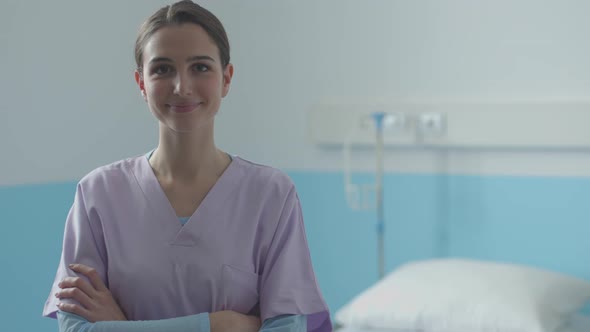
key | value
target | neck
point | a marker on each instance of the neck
(187, 156)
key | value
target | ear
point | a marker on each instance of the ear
(228, 73)
(140, 83)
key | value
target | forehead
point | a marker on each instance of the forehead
(180, 41)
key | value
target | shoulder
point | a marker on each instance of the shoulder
(117, 173)
(263, 180)
(273, 195)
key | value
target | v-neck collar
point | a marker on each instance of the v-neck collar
(165, 217)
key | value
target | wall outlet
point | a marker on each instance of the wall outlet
(431, 124)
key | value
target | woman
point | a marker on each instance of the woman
(187, 237)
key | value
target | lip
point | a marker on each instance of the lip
(183, 107)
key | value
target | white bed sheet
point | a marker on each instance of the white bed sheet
(579, 323)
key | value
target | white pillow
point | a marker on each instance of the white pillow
(459, 295)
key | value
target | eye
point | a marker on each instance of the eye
(161, 70)
(201, 67)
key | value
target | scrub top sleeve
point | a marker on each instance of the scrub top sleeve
(83, 243)
(288, 284)
(289, 323)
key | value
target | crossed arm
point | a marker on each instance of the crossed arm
(97, 311)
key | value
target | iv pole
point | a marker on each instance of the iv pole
(356, 194)
(378, 117)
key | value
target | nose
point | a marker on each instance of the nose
(182, 85)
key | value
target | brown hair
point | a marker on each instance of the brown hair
(181, 12)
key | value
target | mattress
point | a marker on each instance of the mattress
(579, 323)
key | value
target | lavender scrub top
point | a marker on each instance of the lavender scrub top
(244, 248)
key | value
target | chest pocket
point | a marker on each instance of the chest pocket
(240, 290)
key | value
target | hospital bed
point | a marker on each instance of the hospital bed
(466, 295)
(578, 323)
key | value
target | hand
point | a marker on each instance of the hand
(231, 321)
(97, 302)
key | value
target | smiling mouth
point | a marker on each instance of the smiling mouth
(183, 108)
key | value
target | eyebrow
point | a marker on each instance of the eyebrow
(189, 59)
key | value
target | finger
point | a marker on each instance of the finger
(75, 294)
(92, 275)
(73, 309)
(77, 282)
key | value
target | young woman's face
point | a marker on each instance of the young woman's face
(182, 78)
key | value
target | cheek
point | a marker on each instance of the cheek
(212, 87)
(155, 91)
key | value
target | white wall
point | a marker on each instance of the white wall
(68, 102)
